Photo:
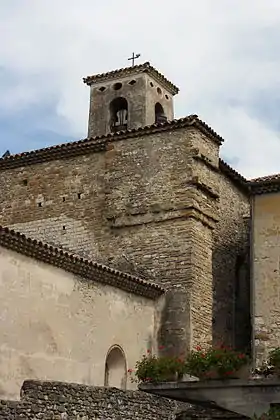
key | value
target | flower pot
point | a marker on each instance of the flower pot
(172, 377)
(242, 373)
(209, 375)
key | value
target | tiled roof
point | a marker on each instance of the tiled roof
(127, 71)
(77, 265)
(97, 144)
(234, 175)
(266, 178)
(265, 184)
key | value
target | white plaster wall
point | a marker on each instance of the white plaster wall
(54, 326)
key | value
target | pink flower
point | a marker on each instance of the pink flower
(148, 351)
(129, 370)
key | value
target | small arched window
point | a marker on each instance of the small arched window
(115, 368)
(118, 114)
(159, 113)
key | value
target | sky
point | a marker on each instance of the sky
(224, 55)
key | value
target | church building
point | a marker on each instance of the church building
(137, 237)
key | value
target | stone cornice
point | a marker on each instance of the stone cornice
(132, 70)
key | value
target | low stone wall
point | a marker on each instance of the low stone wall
(198, 413)
(66, 401)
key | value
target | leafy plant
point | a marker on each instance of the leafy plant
(274, 357)
(219, 362)
(216, 362)
(272, 414)
(153, 368)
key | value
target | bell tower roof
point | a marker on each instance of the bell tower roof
(133, 70)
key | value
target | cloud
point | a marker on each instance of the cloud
(223, 54)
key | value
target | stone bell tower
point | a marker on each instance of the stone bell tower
(129, 98)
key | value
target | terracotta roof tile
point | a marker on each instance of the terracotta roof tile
(265, 184)
(97, 144)
(266, 178)
(126, 71)
(77, 265)
(234, 175)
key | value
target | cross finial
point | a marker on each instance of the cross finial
(134, 57)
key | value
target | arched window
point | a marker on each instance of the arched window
(119, 114)
(115, 368)
(159, 113)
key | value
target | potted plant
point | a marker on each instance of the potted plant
(217, 363)
(152, 368)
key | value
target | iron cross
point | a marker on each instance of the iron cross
(133, 58)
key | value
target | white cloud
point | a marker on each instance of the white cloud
(219, 53)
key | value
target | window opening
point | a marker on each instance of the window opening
(119, 114)
(159, 113)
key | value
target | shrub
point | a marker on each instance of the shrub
(153, 368)
(218, 362)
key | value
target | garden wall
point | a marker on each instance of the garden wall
(66, 401)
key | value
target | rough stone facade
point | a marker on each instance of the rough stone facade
(266, 310)
(140, 88)
(231, 267)
(155, 201)
(67, 401)
(56, 325)
(155, 204)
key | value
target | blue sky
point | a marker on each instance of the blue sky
(223, 54)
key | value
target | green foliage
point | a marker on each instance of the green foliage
(158, 368)
(216, 362)
(274, 357)
(272, 414)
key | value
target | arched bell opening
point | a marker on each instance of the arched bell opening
(118, 114)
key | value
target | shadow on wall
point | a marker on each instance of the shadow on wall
(116, 368)
(231, 300)
(174, 331)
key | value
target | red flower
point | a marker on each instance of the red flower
(198, 348)
(161, 348)
(148, 351)
(230, 372)
(241, 356)
(129, 370)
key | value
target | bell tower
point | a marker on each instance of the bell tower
(129, 98)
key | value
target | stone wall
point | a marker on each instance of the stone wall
(65, 401)
(141, 96)
(59, 202)
(142, 205)
(68, 401)
(266, 269)
(231, 267)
